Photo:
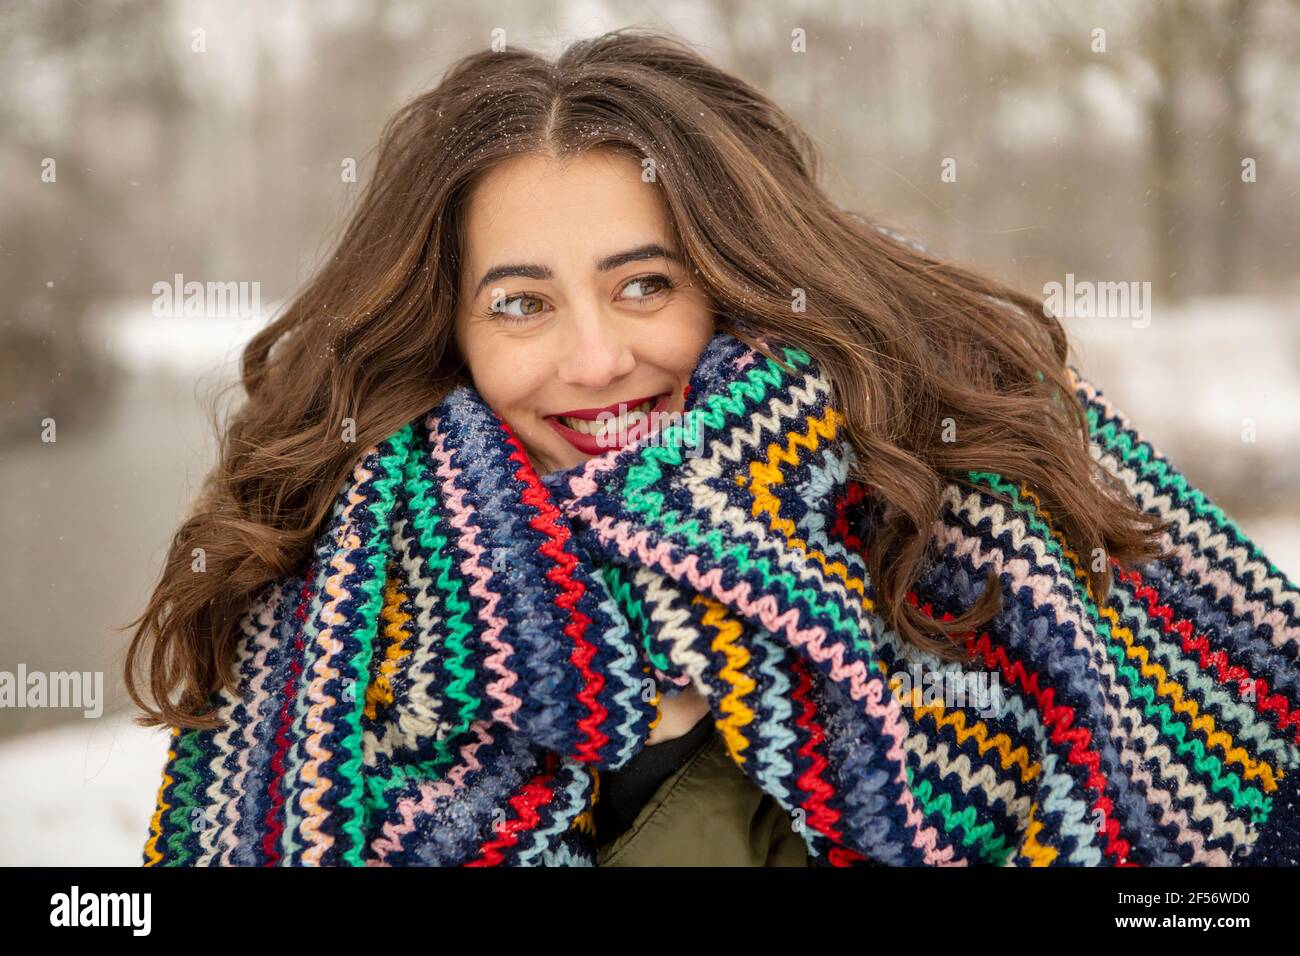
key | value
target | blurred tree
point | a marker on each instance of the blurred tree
(59, 260)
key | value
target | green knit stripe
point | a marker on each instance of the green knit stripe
(425, 519)
(378, 547)
(1255, 733)
(621, 590)
(991, 846)
(184, 798)
(1143, 458)
(1173, 729)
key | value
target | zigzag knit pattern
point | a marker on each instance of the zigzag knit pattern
(472, 645)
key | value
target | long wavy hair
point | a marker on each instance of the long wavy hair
(907, 340)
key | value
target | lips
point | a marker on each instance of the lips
(623, 423)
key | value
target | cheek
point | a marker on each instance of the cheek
(505, 377)
(678, 349)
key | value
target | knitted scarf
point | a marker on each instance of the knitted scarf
(472, 645)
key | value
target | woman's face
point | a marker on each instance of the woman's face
(577, 319)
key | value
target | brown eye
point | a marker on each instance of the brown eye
(529, 305)
(655, 283)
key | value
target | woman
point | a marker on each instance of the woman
(610, 496)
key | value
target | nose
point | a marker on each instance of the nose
(595, 354)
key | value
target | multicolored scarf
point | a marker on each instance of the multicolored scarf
(472, 645)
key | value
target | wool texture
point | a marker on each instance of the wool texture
(472, 644)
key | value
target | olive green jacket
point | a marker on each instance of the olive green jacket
(708, 813)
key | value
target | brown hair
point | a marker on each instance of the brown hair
(907, 340)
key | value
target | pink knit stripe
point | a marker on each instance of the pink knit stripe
(462, 516)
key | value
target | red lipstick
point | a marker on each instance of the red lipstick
(599, 444)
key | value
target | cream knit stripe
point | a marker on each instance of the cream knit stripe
(262, 711)
(919, 740)
(316, 841)
(996, 790)
(1018, 707)
(1135, 795)
(749, 434)
(1116, 705)
(925, 838)
(415, 715)
(221, 748)
(291, 782)
(866, 688)
(1253, 728)
(1149, 749)
(664, 607)
(1078, 816)
(971, 509)
(717, 511)
(1212, 543)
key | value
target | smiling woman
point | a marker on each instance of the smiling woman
(667, 471)
(606, 320)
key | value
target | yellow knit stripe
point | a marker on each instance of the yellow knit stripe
(380, 691)
(1008, 754)
(655, 701)
(155, 824)
(1018, 757)
(1252, 769)
(1030, 848)
(732, 704)
(765, 474)
(1168, 688)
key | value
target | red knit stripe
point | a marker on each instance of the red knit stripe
(547, 521)
(843, 856)
(818, 814)
(852, 495)
(274, 818)
(537, 792)
(1193, 642)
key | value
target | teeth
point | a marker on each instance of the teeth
(622, 423)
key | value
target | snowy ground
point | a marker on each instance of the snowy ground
(81, 793)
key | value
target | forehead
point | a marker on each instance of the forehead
(525, 208)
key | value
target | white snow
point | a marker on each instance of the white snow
(80, 794)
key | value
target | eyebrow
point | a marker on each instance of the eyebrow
(651, 250)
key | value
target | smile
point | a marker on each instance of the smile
(594, 431)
